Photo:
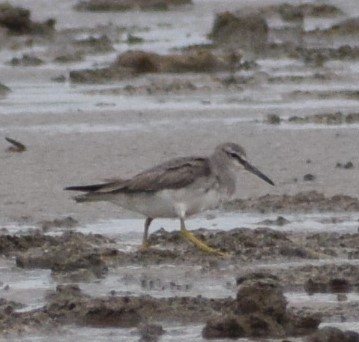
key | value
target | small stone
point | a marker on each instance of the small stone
(348, 165)
(308, 177)
(273, 119)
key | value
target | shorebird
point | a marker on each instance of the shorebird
(178, 188)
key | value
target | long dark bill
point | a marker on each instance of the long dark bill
(255, 171)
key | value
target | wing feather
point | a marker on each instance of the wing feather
(173, 174)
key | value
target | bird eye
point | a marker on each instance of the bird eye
(237, 157)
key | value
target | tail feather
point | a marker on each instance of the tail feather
(92, 193)
(85, 188)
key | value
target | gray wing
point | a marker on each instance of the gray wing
(173, 174)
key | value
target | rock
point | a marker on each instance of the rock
(264, 296)
(107, 315)
(140, 61)
(11, 244)
(331, 285)
(197, 60)
(4, 90)
(256, 276)
(294, 13)
(302, 325)
(150, 332)
(348, 165)
(227, 327)
(72, 252)
(259, 311)
(243, 30)
(308, 177)
(133, 63)
(331, 334)
(26, 60)
(273, 119)
(17, 20)
(346, 27)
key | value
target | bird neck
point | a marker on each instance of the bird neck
(225, 175)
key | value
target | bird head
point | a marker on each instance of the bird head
(236, 156)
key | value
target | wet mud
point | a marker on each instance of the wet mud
(272, 282)
(259, 309)
(301, 202)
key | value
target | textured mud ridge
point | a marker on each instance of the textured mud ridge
(69, 305)
(260, 308)
(302, 202)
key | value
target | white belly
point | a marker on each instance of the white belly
(169, 203)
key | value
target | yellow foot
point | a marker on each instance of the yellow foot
(200, 244)
(144, 247)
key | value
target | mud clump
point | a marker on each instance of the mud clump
(332, 286)
(331, 278)
(260, 311)
(346, 242)
(150, 332)
(133, 63)
(100, 75)
(348, 165)
(326, 278)
(301, 202)
(279, 221)
(248, 30)
(67, 222)
(243, 243)
(93, 45)
(333, 334)
(17, 20)
(12, 244)
(346, 27)
(26, 60)
(294, 13)
(308, 177)
(4, 90)
(273, 119)
(326, 119)
(79, 48)
(69, 305)
(73, 255)
(126, 5)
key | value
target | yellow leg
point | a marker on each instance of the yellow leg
(145, 243)
(198, 243)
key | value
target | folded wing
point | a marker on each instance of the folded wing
(174, 174)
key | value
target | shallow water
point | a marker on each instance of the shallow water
(34, 94)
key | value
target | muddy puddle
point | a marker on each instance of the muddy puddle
(98, 94)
